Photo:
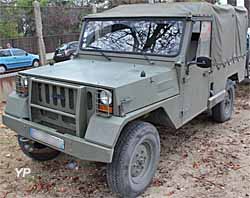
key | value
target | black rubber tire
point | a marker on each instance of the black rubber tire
(247, 65)
(40, 151)
(71, 57)
(220, 113)
(119, 176)
(34, 63)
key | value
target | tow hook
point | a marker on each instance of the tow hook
(28, 146)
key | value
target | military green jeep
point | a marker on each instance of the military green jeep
(137, 66)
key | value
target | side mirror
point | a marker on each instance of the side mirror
(26, 54)
(204, 62)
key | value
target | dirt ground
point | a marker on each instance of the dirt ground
(202, 159)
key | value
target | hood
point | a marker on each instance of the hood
(97, 73)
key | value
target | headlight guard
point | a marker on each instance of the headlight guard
(22, 85)
(104, 102)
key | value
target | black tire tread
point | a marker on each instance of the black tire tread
(216, 111)
(35, 60)
(129, 132)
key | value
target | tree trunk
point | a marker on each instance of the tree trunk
(39, 32)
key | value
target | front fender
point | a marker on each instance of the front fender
(106, 131)
(17, 106)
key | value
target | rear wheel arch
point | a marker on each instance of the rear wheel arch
(234, 77)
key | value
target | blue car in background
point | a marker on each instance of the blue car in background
(16, 58)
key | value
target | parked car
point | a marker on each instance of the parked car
(138, 66)
(17, 58)
(66, 51)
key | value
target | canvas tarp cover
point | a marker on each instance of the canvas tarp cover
(229, 34)
(229, 23)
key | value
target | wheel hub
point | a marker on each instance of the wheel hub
(36, 64)
(140, 161)
(2, 69)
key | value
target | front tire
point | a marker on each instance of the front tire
(2, 69)
(247, 65)
(71, 57)
(223, 111)
(135, 159)
(37, 151)
(36, 63)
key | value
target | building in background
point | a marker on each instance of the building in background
(245, 3)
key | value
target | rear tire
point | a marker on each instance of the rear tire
(135, 159)
(223, 111)
(36, 63)
(37, 151)
(247, 66)
(2, 69)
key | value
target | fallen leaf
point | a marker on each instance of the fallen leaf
(157, 183)
(62, 189)
(39, 186)
(184, 156)
(8, 155)
(170, 193)
(195, 165)
(3, 126)
(236, 167)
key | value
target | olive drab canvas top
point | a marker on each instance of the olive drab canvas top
(229, 27)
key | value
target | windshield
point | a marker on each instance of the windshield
(153, 37)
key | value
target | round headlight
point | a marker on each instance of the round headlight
(106, 97)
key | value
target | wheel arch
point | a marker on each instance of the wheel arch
(111, 129)
(35, 59)
(234, 77)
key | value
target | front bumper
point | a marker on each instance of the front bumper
(61, 58)
(74, 146)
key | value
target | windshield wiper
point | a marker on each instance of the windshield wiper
(101, 52)
(145, 56)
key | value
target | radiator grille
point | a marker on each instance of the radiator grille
(55, 104)
(54, 97)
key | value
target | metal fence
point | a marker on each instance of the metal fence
(29, 44)
(60, 25)
(63, 20)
